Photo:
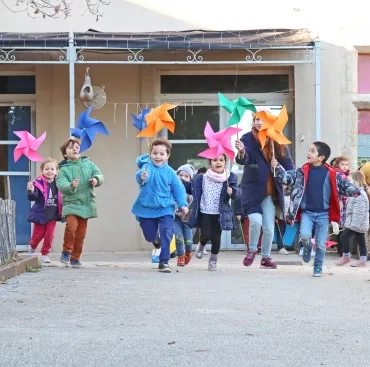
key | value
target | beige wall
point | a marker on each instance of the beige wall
(116, 229)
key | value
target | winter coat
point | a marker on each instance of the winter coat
(160, 192)
(298, 178)
(357, 213)
(256, 174)
(40, 196)
(226, 220)
(82, 201)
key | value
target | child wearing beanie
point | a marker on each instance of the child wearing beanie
(183, 233)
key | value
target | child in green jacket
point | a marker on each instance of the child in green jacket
(76, 180)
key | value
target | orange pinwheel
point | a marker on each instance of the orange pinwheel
(157, 119)
(273, 126)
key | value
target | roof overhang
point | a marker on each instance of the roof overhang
(193, 42)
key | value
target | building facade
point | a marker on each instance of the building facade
(324, 88)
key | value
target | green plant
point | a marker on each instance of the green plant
(31, 269)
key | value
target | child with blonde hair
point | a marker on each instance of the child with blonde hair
(47, 209)
(357, 221)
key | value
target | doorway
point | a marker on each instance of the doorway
(15, 175)
(188, 141)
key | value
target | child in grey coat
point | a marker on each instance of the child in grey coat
(356, 221)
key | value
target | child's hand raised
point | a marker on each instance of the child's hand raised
(30, 187)
(144, 175)
(274, 163)
(229, 191)
(75, 183)
(93, 181)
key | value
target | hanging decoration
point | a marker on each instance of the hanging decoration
(236, 108)
(219, 142)
(87, 92)
(87, 128)
(157, 119)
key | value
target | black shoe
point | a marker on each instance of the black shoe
(173, 255)
(157, 243)
(164, 268)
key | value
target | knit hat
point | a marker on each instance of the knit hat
(188, 168)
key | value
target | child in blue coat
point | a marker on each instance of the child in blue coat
(212, 211)
(160, 189)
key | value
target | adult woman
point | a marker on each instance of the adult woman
(261, 193)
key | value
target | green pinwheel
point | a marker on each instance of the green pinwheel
(236, 108)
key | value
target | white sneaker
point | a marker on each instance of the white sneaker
(205, 252)
(313, 253)
(45, 259)
(31, 250)
(301, 251)
(284, 251)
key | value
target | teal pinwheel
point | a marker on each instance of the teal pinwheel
(236, 108)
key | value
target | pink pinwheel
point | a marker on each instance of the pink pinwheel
(28, 146)
(219, 143)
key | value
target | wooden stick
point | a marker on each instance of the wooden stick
(273, 154)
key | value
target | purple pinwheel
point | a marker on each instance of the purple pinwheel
(139, 120)
(86, 129)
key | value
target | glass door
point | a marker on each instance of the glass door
(14, 176)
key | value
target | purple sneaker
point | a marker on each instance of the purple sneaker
(248, 260)
(267, 263)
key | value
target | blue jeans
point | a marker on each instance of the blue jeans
(164, 225)
(320, 223)
(267, 222)
(183, 236)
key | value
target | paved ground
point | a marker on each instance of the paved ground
(119, 311)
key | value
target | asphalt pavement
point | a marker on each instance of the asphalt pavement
(119, 311)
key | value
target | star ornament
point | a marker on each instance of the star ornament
(219, 143)
(87, 128)
(236, 108)
(157, 119)
(273, 127)
(28, 146)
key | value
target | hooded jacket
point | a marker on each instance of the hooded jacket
(159, 193)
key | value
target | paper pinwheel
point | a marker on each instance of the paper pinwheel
(157, 119)
(86, 129)
(28, 146)
(273, 126)
(139, 120)
(219, 143)
(236, 108)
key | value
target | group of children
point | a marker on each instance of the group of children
(174, 203)
(64, 192)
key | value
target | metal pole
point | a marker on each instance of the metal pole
(72, 57)
(317, 90)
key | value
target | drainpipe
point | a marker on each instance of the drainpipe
(72, 57)
(317, 90)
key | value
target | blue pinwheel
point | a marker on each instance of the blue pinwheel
(86, 129)
(139, 120)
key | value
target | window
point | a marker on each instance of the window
(363, 145)
(363, 70)
(194, 84)
(17, 84)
